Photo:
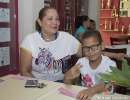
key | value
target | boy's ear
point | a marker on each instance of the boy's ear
(103, 45)
(39, 21)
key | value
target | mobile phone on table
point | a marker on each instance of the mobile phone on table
(31, 83)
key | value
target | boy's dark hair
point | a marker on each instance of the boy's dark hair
(92, 33)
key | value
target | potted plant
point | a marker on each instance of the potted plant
(121, 77)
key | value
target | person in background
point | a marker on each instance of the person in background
(92, 25)
(90, 65)
(82, 23)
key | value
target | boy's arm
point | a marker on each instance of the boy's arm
(87, 94)
(70, 81)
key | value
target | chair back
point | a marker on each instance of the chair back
(121, 50)
(118, 41)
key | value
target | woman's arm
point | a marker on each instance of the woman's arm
(80, 37)
(79, 54)
(117, 56)
(25, 64)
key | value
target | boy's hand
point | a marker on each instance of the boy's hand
(85, 94)
(74, 72)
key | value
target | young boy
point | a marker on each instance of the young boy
(90, 66)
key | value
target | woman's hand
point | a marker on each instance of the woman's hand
(72, 74)
(85, 94)
(119, 56)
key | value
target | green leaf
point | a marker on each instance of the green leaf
(125, 69)
(121, 77)
(116, 71)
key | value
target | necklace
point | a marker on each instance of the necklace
(48, 37)
(43, 37)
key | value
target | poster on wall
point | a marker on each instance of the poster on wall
(4, 56)
(4, 34)
(5, 1)
(4, 15)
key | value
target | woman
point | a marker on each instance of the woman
(82, 23)
(46, 53)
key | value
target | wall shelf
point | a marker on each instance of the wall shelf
(109, 30)
(102, 24)
(125, 35)
(107, 17)
(105, 9)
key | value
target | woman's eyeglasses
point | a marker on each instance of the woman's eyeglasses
(93, 47)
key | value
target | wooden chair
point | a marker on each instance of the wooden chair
(119, 89)
(122, 50)
(118, 41)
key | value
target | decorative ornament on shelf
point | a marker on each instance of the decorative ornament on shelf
(109, 4)
(116, 24)
(129, 29)
(122, 29)
(113, 12)
(116, 15)
(67, 22)
(102, 5)
(110, 26)
(122, 5)
(105, 24)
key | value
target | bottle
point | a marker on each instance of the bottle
(110, 26)
(129, 29)
(102, 5)
(113, 12)
(108, 4)
(105, 24)
(67, 22)
(122, 5)
(122, 29)
(116, 24)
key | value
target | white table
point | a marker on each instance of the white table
(121, 46)
(12, 89)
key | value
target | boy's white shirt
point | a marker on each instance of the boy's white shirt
(88, 75)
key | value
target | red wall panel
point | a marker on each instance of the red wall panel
(107, 13)
(13, 67)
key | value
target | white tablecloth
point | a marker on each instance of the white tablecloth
(121, 46)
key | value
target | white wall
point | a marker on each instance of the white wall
(94, 11)
(27, 15)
